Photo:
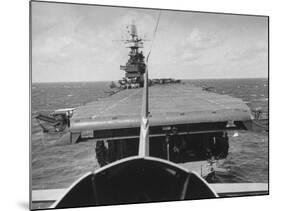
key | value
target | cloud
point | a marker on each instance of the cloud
(196, 43)
(190, 55)
(75, 43)
(253, 51)
(197, 40)
(61, 43)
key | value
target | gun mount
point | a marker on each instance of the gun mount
(56, 121)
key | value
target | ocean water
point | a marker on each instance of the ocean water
(247, 160)
(56, 164)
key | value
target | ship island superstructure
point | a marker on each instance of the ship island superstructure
(135, 66)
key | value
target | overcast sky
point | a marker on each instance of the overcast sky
(75, 43)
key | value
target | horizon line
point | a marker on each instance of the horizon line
(153, 78)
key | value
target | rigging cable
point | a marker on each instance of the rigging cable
(144, 127)
(154, 34)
